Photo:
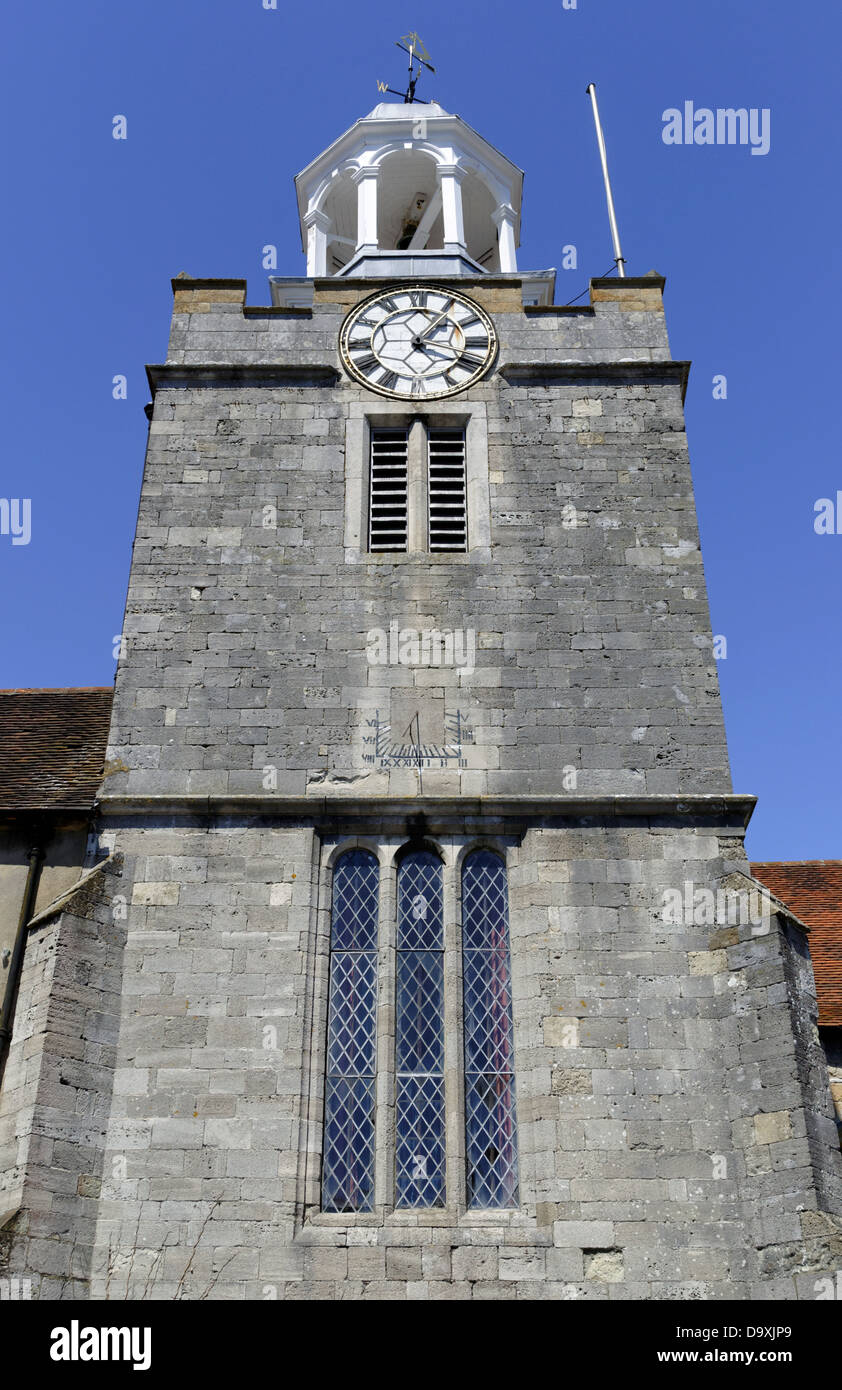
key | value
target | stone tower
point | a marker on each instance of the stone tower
(425, 960)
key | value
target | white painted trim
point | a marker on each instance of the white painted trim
(504, 218)
(367, 181)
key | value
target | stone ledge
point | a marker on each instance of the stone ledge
(518, 373)
(276, 311)
(178, 375)
(536, 310)
(733, 808)
(187, 282)
(627, 282)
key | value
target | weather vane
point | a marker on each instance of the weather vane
(419, 59)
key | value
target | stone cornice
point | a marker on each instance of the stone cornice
(173, 374)
(540, 372)
(353, 805)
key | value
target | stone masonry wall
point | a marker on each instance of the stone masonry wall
(57, 1088)
(667, 1143)
(246, 644)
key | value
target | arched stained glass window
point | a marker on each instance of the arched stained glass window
(490, 1121)
(419, 1036)
(348, 1176)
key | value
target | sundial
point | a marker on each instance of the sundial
(388, 745)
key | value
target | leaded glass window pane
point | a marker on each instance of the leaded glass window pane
(420, 903)
(348, 1174)
(420, 1141)
(419, 1043)
(491, 1127)
(353, 996)
(420, 1035)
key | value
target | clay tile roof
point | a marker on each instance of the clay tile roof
(812, 888)
(52, 746)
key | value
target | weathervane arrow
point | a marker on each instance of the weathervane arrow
(414, 45)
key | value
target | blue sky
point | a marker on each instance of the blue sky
(225, 100)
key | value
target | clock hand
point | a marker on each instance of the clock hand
(443, 315)
(437, 347)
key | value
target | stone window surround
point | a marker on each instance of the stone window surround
(453, 850)
(470, 416)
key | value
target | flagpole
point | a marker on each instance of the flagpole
(619, 258)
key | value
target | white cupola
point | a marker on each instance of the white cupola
(410, 190)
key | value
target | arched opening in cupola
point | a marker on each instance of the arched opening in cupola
(340, 207)
(481, 239)
(409, 203)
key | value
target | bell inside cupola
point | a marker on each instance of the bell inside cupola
(413, 218)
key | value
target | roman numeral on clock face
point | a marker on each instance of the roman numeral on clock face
(418, 299)
(389, 381)
(476, 342)
(367, 363)
(468, 360)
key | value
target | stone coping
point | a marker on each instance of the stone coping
(629, 282)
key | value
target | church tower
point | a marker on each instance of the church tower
(427, 956)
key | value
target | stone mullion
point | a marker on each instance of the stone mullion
(454, 1090)
(385, 1086)
(416, 487)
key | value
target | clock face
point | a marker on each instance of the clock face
(417, 344)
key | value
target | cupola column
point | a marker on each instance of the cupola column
(505, 219)
(450, 181)
(367, 180)
(318, 225)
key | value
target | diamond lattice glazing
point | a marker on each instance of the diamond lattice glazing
(488, 1011)
(354, 920)
(420, 1012)
(492, 1141)
(348, 1174)
(491, 1131)
(353, 1001)
(420, 1142)
(348, 1177)
(419, 1047)
(485, 910)
(420, 903)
